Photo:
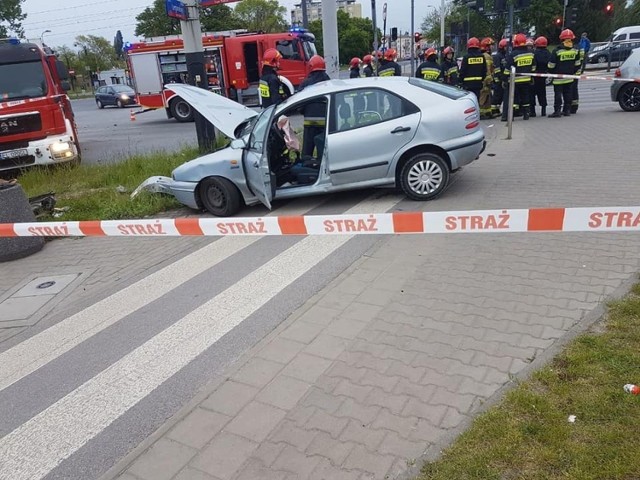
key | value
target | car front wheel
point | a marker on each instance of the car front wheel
(424, 177)
(629, 97)
(220, 196)
(119, 103)
(99, 104)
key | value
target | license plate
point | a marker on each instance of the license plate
(13, 154)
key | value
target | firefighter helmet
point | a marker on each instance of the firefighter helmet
(317, 63)
(448, 51)
(429, 52)
(567, 34)
(367, 59)
(473, 42)
(355, 62)
(390, 54)
(486, 43)
(271, 58)
(502, 44)
(541, 42)
(519, 40)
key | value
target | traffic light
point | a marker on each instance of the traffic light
(394, 34)
(572, 19)
(558, 22)
(608, 9)
(417, 37)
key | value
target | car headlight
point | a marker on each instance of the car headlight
(61, 150)
(124, 96)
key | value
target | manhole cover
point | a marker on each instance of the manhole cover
(46, 285)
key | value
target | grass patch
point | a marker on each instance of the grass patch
(528, 436)
(91, 190)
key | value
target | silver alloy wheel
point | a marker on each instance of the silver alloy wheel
(425, 177)
(630, 97)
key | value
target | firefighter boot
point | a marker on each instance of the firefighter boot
(543, 113)
(555, 114)
(525, 113)
(533, 112)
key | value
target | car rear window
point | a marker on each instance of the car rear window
(439, 88)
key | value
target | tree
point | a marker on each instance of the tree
(262, 15)
(11, 17)
(154, 22)
(97, 53)
(118, 45)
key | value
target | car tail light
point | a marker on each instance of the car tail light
(469, 110)
(472, 125)
(617, 73)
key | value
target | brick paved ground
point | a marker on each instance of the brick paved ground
(391, 360)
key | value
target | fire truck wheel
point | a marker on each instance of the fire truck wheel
(181, 110)
(219, 196)
(99, 104)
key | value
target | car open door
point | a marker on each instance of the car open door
(256, 158)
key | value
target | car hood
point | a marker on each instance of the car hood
(226, 115)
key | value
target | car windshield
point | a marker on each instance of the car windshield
(444, 90)
(22, 80)
(122, 89)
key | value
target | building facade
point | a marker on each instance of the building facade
(314, 10)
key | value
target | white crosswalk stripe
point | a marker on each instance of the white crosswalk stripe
(43, 442)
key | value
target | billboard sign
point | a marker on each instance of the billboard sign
(176, 9)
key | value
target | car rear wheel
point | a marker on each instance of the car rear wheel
(181, 110)
(220, 196)
(629, 97)
(424, 177)
(99, 104)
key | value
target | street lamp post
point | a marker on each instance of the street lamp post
(42, 36)
(442, 26)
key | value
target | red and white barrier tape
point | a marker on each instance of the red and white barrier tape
(594, 219)
(579, 77)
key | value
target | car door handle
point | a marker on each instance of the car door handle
(400, 129)
(256, 165)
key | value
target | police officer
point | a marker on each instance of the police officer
(354, 67)
(315, 113)
(541, 55)
(388, 66)
(522, 59)
(368, 67)
(565, 60)
(485, 92)
(499, 62)
(449, 68)
(271, 89)
(473, 69)
(429, 69)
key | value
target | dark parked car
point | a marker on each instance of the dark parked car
(627, 94)
(118, 95)
(619, 52)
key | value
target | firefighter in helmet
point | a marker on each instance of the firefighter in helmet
(354, 67)
(449, 67)
(575, 96)
(271, 89)
(541, 55)
(388, 66)
(485, 92)
(565, 59)
(522, 59)
(429, 69)
(499, 62)
(368, 66)
(315, 113)
(473, 69)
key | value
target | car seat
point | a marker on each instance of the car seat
(344, 111)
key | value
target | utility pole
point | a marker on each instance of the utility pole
(375, 35)
(305, 18)
(330, 37)
(194, 53)
(442, 26)
(413, 31)
(564, 13)
(384, 23)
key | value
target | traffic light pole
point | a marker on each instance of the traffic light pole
(413, 29)
(194, 55)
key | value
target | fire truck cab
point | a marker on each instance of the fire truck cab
(232, 61)
(37, 125)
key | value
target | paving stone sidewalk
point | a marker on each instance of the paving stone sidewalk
(390, 361)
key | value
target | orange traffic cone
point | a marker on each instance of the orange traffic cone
(132, 116)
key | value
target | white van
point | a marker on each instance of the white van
(625, 34)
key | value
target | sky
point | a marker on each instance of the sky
(104, 18)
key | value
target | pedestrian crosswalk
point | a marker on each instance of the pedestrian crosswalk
(65, 425)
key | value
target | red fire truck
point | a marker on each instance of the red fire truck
(232, 63)
(37, 126)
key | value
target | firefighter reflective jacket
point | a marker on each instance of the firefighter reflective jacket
(429, 70)
(473, 69)
(523, 60)
(389, 69)
(542, 56)
(313, 78)
(315, 113)
(564, 61)
(368, 71)
(499, 63)
(449, 72)
(271, 88)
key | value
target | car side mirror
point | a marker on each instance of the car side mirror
(66, 86)
(238, 144)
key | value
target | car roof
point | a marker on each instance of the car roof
(333, 86)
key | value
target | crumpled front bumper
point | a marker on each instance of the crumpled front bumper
(184, 192)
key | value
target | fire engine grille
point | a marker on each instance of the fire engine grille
(8, 163)
(20, 124)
